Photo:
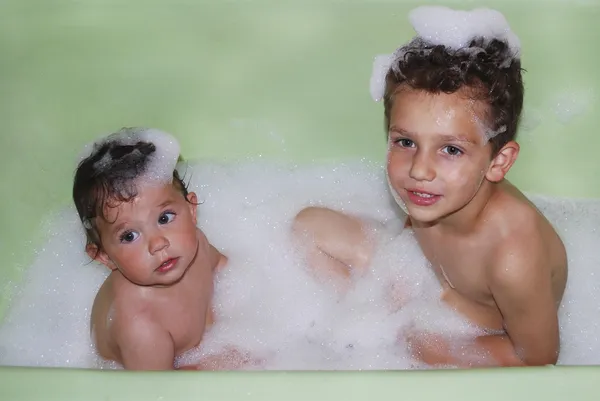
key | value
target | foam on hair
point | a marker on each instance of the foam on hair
(162, 161)
(456, 28)
(453, 29)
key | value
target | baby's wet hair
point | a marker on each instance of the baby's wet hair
(487, 68)
(108, 177)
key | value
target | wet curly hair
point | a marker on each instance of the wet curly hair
(487, 68)
(98, 182)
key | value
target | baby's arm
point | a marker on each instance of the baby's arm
(145, 345)
(335, 240)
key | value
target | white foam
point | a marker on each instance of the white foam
(161, 163)
(266, 300)
(569, 104)
(381, 65)
(456, 28)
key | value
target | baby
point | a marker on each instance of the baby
(452, 105)
(140, 222)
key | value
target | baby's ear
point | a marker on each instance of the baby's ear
(193, 204)
(503, 161)
(99, 255)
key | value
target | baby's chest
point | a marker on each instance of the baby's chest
(186, 316)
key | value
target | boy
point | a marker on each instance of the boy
(156, 302)
(451, 117)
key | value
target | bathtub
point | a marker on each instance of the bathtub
(286, 80)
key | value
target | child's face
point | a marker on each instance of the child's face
(438, 156)
(151, 240)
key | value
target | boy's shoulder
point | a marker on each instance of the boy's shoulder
(527, 244)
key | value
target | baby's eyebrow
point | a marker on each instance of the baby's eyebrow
(119, 227)
(165, 203)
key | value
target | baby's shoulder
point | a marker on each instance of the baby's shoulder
(131, 302)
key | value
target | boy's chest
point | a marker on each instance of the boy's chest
(461, 269)
(460, 264)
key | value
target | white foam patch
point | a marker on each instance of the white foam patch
(381, 65)
(570, 104)
(161, 163)
(267, 302)
(456, 28)
(531, 118)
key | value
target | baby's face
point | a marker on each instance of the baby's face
(153, 239)
(438, 155)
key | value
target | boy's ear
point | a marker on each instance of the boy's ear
(502, 162)
(99, 256)
(193, 205)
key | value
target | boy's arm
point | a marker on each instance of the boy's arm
(522, 288)
(145, 345)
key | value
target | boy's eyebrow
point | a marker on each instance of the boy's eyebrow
(400, 131)
(459, 138)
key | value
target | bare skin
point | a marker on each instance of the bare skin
(156, 303)
(127, 318)
(500, 262)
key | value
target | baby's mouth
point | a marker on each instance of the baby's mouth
(167, 265)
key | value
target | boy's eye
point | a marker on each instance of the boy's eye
(405, 143)
(166, 217)
(453, 150)
(129, 236)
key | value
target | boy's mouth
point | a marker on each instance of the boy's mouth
(421, 198)
(167, 265)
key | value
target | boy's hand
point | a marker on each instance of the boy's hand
(229, 359)
(484, 351)
(429, 348)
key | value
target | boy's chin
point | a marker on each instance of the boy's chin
(428, 215)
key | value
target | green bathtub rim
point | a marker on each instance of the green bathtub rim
(575, 383)
(548, 383)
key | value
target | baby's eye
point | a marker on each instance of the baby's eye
(166, 217)
(129, 236)
(405, 143)
(453, 150)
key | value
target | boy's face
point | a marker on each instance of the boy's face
(151, 240)
(438, 156)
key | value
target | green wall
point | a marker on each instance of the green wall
(231, 79)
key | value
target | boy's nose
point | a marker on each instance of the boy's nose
(158, 243)
(422, 169)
